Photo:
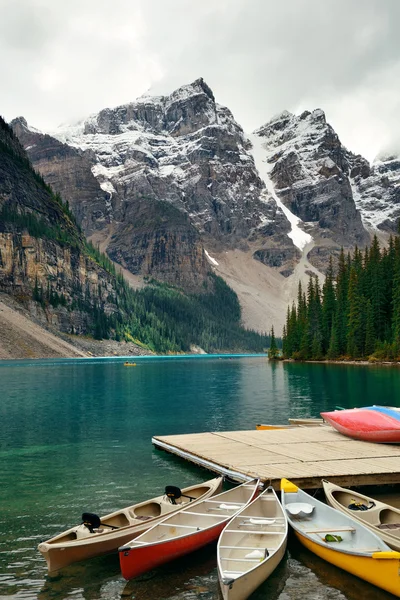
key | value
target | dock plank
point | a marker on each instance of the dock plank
(305, 455)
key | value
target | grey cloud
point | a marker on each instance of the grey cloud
(260, 57)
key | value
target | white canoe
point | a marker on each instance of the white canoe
(85, 541)
(340, 539)
(382, 519)
(189, 529)
(251, 546)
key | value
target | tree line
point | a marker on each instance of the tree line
(356, 313)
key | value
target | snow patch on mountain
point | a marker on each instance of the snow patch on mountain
(299, 237)
(211, 259)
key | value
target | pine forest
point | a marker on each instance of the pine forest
(356, 314)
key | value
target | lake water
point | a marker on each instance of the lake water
(75, 436)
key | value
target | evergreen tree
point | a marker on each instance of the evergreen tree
(374, 278)
(328, 306)
(342, 284)
(356, 324)
(369, 330)
(396, 308)
(333, 349)
(273, 352)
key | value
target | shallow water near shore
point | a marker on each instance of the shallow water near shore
(75, 436)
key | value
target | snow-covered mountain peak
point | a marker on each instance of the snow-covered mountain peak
(186, 110)
(185, 92)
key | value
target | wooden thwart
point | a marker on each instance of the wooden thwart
(329, 530)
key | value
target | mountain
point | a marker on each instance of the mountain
(45, 262)
(171, 186)
(67, 285)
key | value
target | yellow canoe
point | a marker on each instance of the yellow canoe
(340, 539)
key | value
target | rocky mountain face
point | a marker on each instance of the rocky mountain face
(52, 263)
(158, 181)
(376, 191)
(168, 175)
(310, 171)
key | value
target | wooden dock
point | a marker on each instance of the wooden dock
(305, 455)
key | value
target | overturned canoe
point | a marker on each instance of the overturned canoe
(381, 518)
(340, 539)
(96, 536)
(185, 531)
(251, 546)
(370, 424)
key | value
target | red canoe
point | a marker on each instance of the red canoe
(190, 529)
(370, 424)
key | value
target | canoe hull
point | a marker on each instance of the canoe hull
(67, 548)
(371, 424)
(185, 531)
(383, 573)
(240, 590)
(381, 518)
(340, 539)
(260, 525)
(60, 557)
(135, 561)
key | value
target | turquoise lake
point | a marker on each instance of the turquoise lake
(75, 436)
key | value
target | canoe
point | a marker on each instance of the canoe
(370, 424)
(96, 535)
(251, 546)
(293, 423)
(189, 529)
(262, 426)
(381, 518)
(340, 539)
(306, 422)
(128, 364)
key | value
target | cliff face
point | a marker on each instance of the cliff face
(310, 170)
(183, 154)
(52, 265)
(68, 171)
(160, 180)
(376, 191)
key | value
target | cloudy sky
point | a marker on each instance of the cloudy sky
(62, 60)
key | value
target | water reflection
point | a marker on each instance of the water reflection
(313, 388)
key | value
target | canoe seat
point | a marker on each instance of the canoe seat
(229, 576)
(389, 526)
(258, 554)
(296, 508)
